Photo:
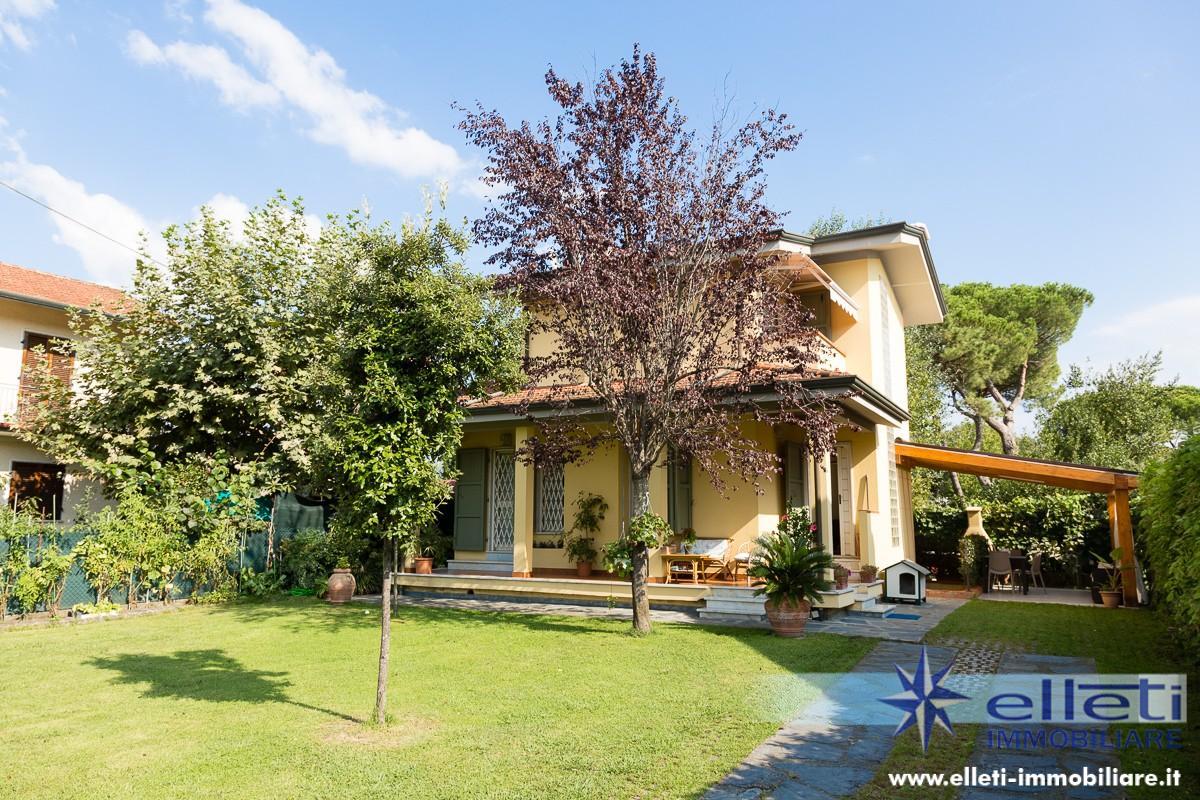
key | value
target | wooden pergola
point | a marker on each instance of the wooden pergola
(1115, 483)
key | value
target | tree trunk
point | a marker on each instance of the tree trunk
(385, 635)
(640, 503)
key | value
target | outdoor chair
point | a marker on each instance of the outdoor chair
(1035, 571)
(742, 560)
(1000, 565)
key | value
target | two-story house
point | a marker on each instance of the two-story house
(864, 287)
(33, 313)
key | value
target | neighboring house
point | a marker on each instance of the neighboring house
(33, 313)
(864, 287)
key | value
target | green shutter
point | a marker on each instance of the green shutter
(679, 492)
(470, 497)
(794, 478)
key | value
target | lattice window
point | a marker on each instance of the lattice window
(550, 496)
(503, 493)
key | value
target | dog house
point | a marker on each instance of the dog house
(905, 581)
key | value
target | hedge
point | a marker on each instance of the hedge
(1170, 532)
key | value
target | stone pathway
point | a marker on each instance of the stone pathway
(895, 628)
(836, 744)
(1044, 759)
(902, 630)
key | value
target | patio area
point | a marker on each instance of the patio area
(1066, 597)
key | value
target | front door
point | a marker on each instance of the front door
(844, 508)
(500, 528)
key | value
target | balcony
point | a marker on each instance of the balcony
(9, 392)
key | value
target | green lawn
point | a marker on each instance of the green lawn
(263, 701)
(1121, 641)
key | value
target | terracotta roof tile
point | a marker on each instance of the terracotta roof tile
(45, 287)
(572, 392)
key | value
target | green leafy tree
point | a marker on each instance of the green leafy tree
(1184, 402)
(998, 348)
(1119, 417)
(409, 333)
(838, 222)
(204, 364)
(18, 526)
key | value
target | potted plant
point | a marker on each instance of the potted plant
(791, 573)
(341, 584)
(867, 573)
(424, 548)
(580, 548)
(1110, 590)
(841, 577)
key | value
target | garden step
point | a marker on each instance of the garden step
(752, 606)
(721, 616)
(871, 608)
(465, 566)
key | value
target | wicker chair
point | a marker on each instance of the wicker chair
(742, 559)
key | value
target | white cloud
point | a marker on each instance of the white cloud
(238, 87)
(15, 14)
(309, 81)
(231, 209)
(1168, 325)
(104, 261)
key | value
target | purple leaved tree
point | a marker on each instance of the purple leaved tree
(640, 249)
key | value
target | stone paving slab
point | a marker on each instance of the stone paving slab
(902, 630)
(819, 754)
(1045, 759)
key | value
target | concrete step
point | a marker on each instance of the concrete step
(752, 606)
(872, 609)
(463, 565)
(733, 592)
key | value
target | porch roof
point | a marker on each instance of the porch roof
(854, 394)
(993, 465)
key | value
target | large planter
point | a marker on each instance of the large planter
(341, 586)
(788, 618)
(583, 569)
(1110, 599)
(423, 566)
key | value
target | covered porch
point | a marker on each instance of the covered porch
(1114, 483)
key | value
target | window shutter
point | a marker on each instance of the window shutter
(60, 367)
(470, 498)
(679, 492)
(794, 478)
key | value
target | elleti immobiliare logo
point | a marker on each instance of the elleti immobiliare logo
(1027, 711)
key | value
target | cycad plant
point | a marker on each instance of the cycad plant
(788, 570)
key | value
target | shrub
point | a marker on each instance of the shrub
(796, 523)
(972, 559)
(789, 569)
(1170, 530)
(17, 527)
(42, 584)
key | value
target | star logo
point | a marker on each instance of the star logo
(924, 700)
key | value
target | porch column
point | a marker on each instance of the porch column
(1121, 524)
(523, 483)
(824, 481)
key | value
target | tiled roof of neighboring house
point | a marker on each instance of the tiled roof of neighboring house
(44, 288)
(574, 392)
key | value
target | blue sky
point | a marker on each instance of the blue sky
(1039, 141)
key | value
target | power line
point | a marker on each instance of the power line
(83, 225)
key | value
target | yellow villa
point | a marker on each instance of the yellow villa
(864, 287)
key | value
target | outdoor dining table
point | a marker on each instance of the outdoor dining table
(697, 564)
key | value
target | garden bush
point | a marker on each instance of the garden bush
(1170, 531)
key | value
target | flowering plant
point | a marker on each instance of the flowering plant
(797, 524)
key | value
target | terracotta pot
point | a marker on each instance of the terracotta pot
(423, 566)
(583, 569)
(1110, 599)
(841, 582)
(867, 577)
(788, 618)
(341, 586)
